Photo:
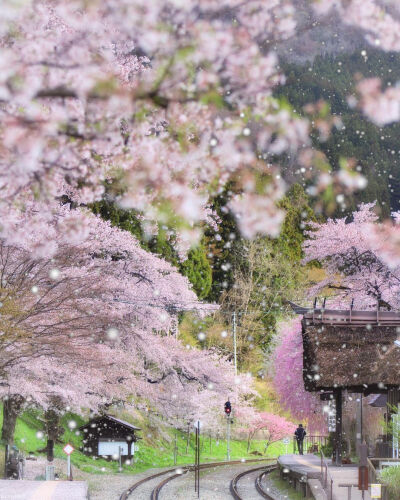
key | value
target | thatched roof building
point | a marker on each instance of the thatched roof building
(360, 358)
(351, 350)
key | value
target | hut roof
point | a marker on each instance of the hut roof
(379, 401)
(111, 419)
(357, 355)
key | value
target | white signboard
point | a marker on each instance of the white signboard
(68, 449)
(286, 441)
(376, 491)
(109, 448)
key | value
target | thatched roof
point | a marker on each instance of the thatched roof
(359, 356)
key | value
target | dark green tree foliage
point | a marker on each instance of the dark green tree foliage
(197, 267)
(267, 273)
(222, 246)
(198, 271)
(298, 213)
(377, 150)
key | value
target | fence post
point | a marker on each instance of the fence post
(321, 467)
(331, 489)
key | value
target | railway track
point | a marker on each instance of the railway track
(258, 482)
(183, 470)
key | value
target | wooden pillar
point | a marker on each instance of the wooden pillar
(338, 434)
(392, 408)
(359, 424)
(129, 449)
(393, 398)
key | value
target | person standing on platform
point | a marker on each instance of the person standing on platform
(300, 434)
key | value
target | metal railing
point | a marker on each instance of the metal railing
(312, 443)
(326, 478)
(373, 476)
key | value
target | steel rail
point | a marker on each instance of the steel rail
(258, 482)
(155, 493)
(131, 489)
(259, 486)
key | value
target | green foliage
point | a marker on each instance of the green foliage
(124, 219)
(285, 489)
(328, 448)
(390, 476)
(222, 246)
(196, 267)
(198, 271)
(298, 213)
(267, 273)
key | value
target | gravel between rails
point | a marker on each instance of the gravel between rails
(214, 484)
(111, 486)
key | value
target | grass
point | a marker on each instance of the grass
(153, 451)
(390, 476)
(286, 491)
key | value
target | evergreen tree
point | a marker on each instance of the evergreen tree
(198, 271)
(196, 267)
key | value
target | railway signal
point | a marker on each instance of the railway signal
(228, 413)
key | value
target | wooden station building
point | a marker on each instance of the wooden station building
(350, 350)
(108, 436)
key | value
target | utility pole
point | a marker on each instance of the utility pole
(188, 438)
(234, 340)
(228, 416)
(197, 460)
(228, 438)
(175, 446)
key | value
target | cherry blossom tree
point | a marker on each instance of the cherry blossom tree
(90, 325)
(272, 427)
(357, 255)
(154, 100)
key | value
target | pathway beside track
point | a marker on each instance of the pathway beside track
(310, 465)
(43, 490)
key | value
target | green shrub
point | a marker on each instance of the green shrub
(390, 476)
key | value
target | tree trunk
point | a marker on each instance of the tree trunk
(53, 430)
(248, 442)
(12, 407)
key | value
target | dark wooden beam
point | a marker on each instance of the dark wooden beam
(338, 433)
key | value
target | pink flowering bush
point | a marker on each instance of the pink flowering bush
(288, 378)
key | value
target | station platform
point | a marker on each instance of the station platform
(43, 490)
(307, 470)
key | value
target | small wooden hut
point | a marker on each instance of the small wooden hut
(351, 350)
(108, 436)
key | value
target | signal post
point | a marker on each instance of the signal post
(228, 416)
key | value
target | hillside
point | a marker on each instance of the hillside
(332, 79)
(156, 448)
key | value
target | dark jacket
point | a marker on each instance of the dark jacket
(300, 432)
